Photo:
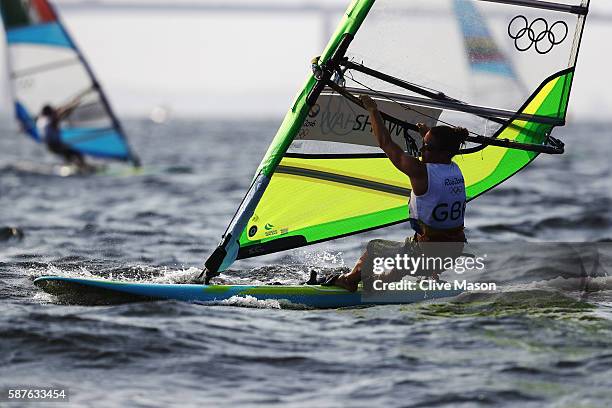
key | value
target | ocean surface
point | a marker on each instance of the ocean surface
(547, 342)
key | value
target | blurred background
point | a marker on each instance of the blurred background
(246, 59)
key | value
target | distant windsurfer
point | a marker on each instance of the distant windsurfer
(49, 126)
(437, 201)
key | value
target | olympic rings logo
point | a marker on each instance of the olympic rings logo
(537, 33)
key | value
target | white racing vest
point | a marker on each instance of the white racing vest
(443, 205)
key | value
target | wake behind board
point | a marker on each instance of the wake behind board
(56, 170)
(94, 291)
(70, 170)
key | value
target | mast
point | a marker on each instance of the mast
(133, 158)
(227, 250)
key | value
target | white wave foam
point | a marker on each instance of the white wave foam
(597, 284)
(180, 276)
(323, 259)
(250, 301)
(53, 270)
(44, 298)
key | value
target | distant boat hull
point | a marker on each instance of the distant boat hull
(70, 170)
(61, 170)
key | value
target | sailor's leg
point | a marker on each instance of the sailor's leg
(75, 157)
(350, 281)
(58, 150)
(365, 264)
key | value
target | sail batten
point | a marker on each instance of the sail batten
(466, 108)
(544, 5)
(43, 68)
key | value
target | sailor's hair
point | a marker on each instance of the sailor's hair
(450, 139)
(47, 110)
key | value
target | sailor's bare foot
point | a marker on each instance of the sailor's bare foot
(347, 282)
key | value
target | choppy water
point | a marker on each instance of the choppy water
(540, 345)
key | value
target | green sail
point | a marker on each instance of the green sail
(322, 177)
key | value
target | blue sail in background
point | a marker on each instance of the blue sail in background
(47, 68)
(483, 54)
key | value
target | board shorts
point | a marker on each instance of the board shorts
(412, 247)
(65, 152)
(383, 247)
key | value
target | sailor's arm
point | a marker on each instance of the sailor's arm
(67, 109)
(409, 165)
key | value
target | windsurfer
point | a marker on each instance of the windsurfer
(48, 123)
(437, 202)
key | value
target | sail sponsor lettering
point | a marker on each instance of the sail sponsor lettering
(342, 123)
(268, 230)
